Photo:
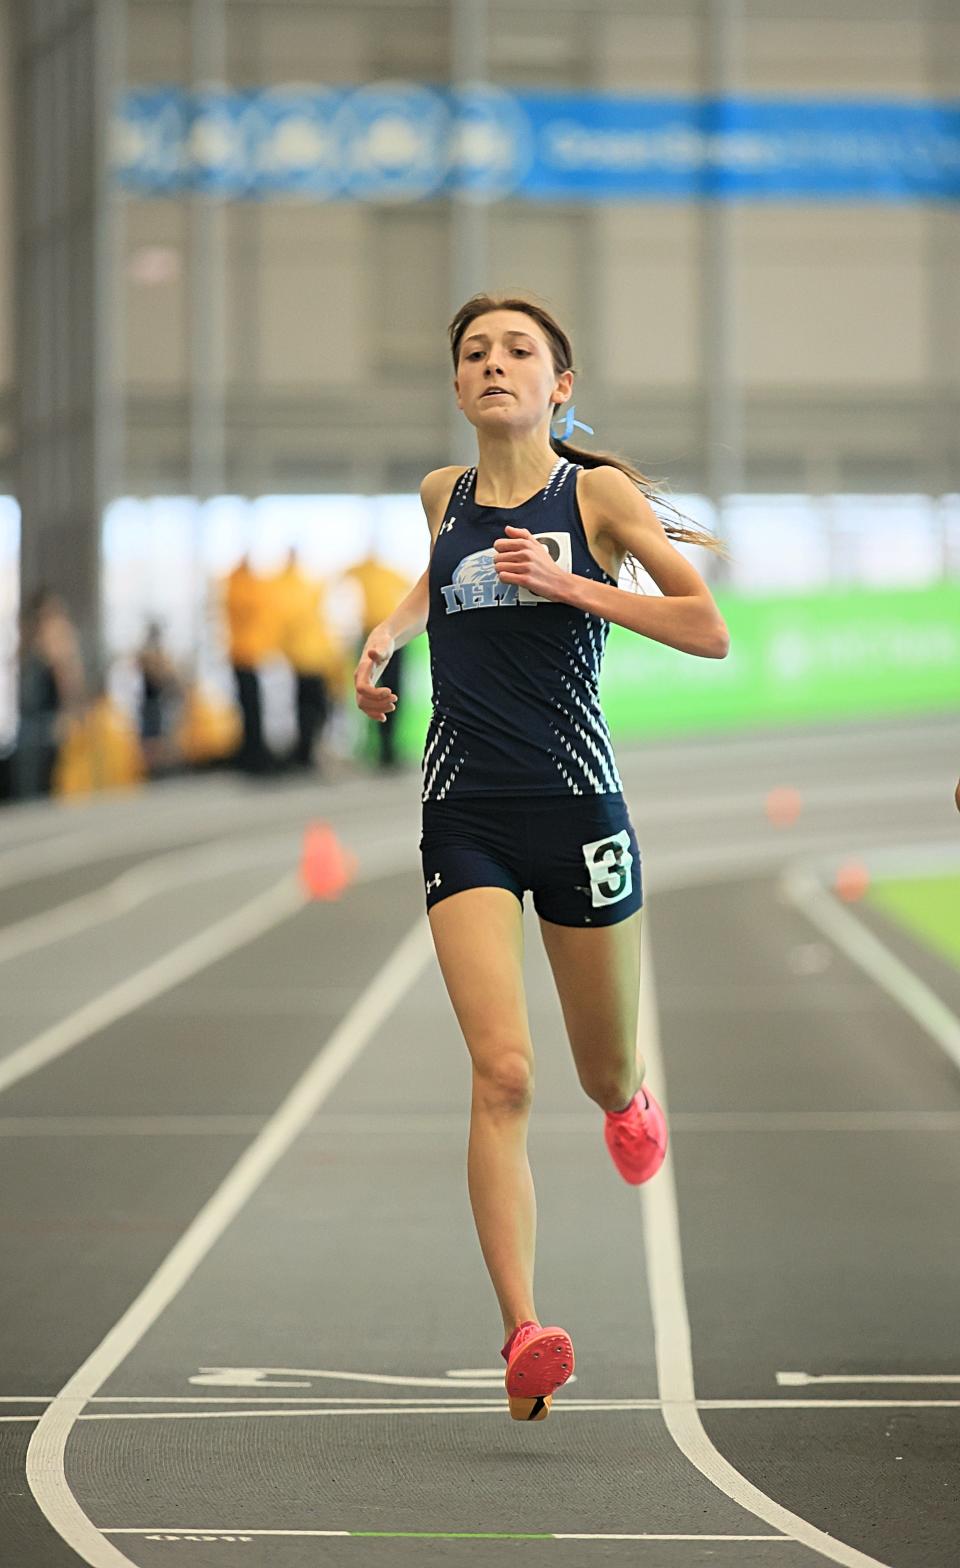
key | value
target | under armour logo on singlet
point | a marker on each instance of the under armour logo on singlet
(448, 526)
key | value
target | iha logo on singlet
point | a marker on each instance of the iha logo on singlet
(476, 585)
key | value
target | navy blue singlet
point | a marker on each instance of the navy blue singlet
(516, 707)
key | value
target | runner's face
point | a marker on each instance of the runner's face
(505, 375)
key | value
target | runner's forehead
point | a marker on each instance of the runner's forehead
(511, 332)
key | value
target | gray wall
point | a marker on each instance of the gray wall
(6, 248)
(335, 362)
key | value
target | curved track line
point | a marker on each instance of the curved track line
(251, 920)
(802, 888)
(161, 874)
(668, 1302)
(45, 1456)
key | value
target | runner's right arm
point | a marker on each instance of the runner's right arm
(409, 619)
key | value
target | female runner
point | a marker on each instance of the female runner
(520, 784)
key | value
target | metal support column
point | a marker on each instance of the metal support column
(469, 220)
(206, 284)
(69, 411)
(722, 394)
(942, 284)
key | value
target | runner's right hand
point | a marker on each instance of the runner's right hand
(373, 700)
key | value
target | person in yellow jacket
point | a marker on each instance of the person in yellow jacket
(381, 590)
(251, 613)
(308, 643)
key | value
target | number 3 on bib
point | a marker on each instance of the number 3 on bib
(609, 864)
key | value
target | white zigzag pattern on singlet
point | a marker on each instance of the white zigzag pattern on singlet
(564, 476)
(433, 745)
(584, 767)
(557, 472)
(591, 660)
(439, 764)
(568, 779)
(597, 652)
(604, 751)
(463, 484)
(592, 675)
(446, 788)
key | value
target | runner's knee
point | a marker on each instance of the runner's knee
(503, 1081)
(610, 1087)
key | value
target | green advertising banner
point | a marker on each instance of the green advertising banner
(844, 653)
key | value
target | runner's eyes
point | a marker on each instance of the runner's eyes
(477, 353)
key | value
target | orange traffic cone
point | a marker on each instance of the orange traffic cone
(326, 868)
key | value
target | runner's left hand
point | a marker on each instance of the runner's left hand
(522, 559)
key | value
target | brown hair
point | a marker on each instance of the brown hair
(676, 525)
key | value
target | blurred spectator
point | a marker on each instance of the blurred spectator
(100, 750)
(160, 693)
(250, 609)
(308, 642)
(381, 589)
(51, 690)
(208, 733)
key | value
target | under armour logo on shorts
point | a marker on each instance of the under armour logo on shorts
(433, 882)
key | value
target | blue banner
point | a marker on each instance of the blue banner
(401, 142)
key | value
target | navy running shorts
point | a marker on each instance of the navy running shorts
(578, 855)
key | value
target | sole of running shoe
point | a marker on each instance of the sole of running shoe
(539, 1368)
(525, 1409)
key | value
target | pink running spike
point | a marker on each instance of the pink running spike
(637, 1138)
(539, 1361)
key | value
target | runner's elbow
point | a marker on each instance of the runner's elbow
(717, 640)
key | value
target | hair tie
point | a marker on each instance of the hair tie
(569, 426)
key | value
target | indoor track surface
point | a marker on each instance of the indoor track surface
(244, 1319)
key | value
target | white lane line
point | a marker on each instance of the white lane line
(128, 1126)
(443, 1407)
(251, 920)
(817, 1121)
(476, 1407)
(802, 888)
(218, 1532)
(45, 1455)
(747, 802)
(803, 1379)
(672, 1325)
(162, 874)
(570, 1124)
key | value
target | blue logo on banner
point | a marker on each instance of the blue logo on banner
(492, 144)
(396, 139)
(405, 142)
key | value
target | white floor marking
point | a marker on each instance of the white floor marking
(280, 1377)
(162, 874)
(45, 1455)
(672, 1325)
(818, 1121)
(217, 1532)
(464, 1407)
(804, 890)
(251, 920)
(306, 1407)
(128, 1126)
(802, 1379)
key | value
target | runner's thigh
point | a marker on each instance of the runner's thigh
(597, 975)
(478, 935)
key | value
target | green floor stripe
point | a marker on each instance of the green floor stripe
(928, 907)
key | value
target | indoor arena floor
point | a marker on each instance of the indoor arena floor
(243, 1315)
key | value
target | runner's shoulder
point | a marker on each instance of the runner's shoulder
(436, 489)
